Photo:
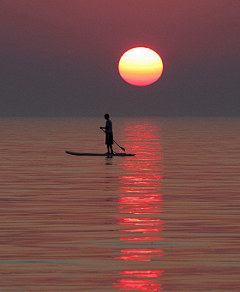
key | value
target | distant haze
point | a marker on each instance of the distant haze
(60, 57)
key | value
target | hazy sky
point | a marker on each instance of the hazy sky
(60, 57)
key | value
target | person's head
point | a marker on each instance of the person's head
(106, 116)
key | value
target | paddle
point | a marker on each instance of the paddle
(123, 149)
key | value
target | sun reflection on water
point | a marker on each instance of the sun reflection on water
(140, 204)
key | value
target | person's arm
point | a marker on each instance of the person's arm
(105, 128)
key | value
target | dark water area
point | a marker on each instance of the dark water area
(167, 219)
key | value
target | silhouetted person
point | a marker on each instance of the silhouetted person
(109, 134)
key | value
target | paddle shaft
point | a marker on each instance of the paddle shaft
(123, 149)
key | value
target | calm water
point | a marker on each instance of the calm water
(165, 220)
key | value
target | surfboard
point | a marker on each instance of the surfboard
(99, 154)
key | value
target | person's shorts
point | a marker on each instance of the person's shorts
(109, 138)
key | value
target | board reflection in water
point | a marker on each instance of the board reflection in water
(140, 208)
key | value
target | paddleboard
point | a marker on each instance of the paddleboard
(99, 154)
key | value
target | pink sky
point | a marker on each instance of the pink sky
(79, 43)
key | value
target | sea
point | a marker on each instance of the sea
(167, 219)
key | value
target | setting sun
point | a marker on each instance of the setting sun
(140, 66)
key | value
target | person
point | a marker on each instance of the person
(109, 134)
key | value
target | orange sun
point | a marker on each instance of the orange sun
(140, 66)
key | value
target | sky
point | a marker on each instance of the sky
(60, 57)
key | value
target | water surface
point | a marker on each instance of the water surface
(164, 220)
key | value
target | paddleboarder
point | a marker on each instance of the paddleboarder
(109, 134)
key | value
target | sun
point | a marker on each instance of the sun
(140, 66)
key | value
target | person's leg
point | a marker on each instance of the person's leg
(111, 148)
(107, 142)
(111, 142)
